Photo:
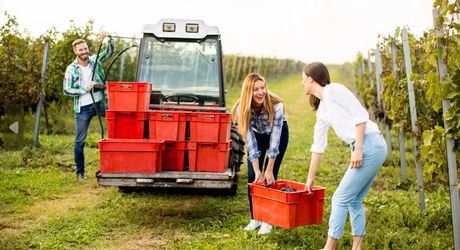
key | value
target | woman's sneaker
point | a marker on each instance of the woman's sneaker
(265, 228)
(253, 224)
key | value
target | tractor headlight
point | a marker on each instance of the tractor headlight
(169, 27)
(191, 28)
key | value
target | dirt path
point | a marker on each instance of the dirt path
(39, 213)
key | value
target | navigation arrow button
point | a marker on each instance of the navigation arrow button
(14, 127)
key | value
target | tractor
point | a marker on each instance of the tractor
(183, 136)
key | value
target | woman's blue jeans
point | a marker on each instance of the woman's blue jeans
(82, 121)
(263, 143)
(355, 184)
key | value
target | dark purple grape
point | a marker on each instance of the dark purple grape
(287, 189)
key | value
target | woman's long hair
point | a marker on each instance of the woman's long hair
(245, 101)
(318, 71)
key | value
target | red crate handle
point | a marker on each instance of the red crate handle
(274, 185)
(126, 86)
(264, 184)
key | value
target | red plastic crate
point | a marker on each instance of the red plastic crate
(142, 156)
(287, 209)
(208, 156)
(173, 155)
(129, 96)
(210, 127)
(167, 125)
(125, 125)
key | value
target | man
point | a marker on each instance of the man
(79, 83)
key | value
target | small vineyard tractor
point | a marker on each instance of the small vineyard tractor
(168, 125)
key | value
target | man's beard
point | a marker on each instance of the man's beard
(83, 57)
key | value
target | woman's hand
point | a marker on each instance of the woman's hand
(356, 158)
(357, 154)
(309, 185)
(259, 177)
(269, 177)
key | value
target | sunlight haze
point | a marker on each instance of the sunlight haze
(332, 31)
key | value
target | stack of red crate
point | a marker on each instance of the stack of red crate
(209, 146)
(170, 125)
(128, 107)
(202, 136)
(126, 150)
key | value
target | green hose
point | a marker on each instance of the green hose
(92, 90)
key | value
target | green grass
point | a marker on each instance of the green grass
(42, 205)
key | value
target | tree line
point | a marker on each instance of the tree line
(21, 63)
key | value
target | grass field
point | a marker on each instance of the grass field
(42, 205)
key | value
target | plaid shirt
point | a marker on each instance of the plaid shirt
(73, 84)
(260, 124)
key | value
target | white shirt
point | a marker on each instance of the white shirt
(85, 99)
(341, 110)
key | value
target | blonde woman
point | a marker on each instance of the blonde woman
(262, 123)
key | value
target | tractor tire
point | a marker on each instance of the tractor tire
(236, 158)
(237, 152)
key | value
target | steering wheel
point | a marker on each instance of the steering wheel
(177, 98)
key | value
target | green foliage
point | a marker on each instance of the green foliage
(429, 90)
(21, 59)
(434, 148)
(19, 64)
(451, 90)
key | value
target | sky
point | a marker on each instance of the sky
(330, 31)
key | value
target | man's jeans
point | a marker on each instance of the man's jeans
(82, 121)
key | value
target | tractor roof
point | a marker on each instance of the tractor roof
(180, 28)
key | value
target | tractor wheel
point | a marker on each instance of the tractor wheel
(236, 158)
(237, 152)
